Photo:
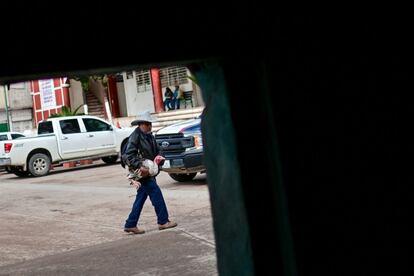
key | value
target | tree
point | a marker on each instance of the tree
(84, 80)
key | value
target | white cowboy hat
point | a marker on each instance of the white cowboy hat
(143, 117)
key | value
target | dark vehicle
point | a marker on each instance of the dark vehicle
(182, 146)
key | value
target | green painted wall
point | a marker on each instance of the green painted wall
(4, 127)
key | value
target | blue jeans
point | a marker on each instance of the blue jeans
(168, 103)
(149, 188)
(176, 103)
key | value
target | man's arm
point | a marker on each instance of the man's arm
(131, 156)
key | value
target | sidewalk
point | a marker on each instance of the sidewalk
(70, 222)
(167, 252)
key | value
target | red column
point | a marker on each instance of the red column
(156, 90)
(113, 96)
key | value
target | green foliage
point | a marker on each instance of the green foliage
(102, 78)
(67, 112)
(84, 80)
(193, 78)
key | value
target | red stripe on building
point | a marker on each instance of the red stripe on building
(62, 98)
(36, 86)
(58, 94)
(37, 102)
(45, 115)
(39, 116)
(56, 82)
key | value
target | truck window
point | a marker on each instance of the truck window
(45, 128)
(15, 136)
(95, 125)
(69, 126)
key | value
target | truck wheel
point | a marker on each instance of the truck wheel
(182, 177)
(39, 164)
(110, 159)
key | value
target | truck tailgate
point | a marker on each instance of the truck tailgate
(2, 154)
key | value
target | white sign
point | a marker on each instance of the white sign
(47, 93)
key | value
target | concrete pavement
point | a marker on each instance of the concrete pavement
(70, 223)
(170, 252)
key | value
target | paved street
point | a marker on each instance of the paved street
(70, 223)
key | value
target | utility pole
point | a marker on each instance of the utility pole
(6, 107)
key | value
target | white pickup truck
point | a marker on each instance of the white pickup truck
(64, 139)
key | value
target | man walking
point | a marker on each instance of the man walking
(142, 145)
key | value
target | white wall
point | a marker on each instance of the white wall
(2, 100)
(197, 96)
(121, 99)
(76, 95)
(22, 119)
(97, 88)
(3, 118)
(20, 106)
(137, 102)
(19, 96)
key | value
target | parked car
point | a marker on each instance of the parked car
(182, 146)
(63, 139)
(5, 136)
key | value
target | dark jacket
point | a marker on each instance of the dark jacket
(140, 146)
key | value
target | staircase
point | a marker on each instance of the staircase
(95, 108)
(164, 118)
(175, 116)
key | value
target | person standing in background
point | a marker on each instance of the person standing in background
(177, 95)
(169, 101)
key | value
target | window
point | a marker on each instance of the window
(3, 137)
(95, 125)
(129, 75)
(15, 136)
(119, 77)
(143, 79)
(45, 128)
(170, 76)
(69, 126)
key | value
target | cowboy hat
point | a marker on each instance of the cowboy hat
(143, 117)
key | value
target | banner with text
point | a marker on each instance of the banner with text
(47, 93)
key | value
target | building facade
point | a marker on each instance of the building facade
(125, 95)
(48, 97)
(16, 107)
(139, 95)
